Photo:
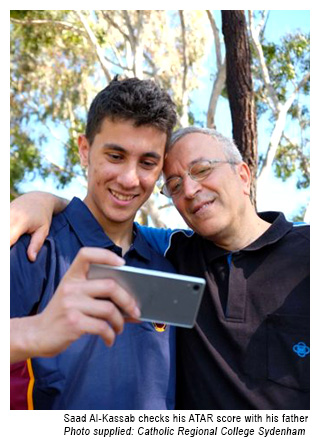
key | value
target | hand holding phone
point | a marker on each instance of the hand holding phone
(161, 296)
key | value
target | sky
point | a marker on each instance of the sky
(275, 194)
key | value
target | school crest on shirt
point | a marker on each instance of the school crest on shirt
(159, 327)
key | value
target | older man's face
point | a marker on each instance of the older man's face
(211, 207)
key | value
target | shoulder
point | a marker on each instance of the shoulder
(299, 242)
(159, 262)
(294, 245)
(298, 237)
(59, 222)
(19, 249)
(27, 278)
(161, 239)
(301, 229)
(21, 268)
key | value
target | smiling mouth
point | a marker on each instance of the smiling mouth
(122, 197)
(199, 208)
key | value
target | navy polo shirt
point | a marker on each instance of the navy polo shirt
(138, 372)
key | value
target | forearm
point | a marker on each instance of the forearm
(55, 203)
(59, 204)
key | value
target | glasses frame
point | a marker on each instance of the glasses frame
(188, 172)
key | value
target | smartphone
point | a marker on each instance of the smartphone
(162, 297)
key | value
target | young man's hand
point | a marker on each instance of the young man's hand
(79, 306)
(31, 214)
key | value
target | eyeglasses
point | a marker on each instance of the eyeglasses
(198, 171)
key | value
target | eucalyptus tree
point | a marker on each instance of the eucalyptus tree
(61, 58)
(282, 87)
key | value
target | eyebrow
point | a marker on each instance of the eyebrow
(121, 149)
(197, 160)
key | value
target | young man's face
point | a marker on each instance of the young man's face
(124, 163)
(211, 207)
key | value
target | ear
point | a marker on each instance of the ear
(245, 176)
(84, 149)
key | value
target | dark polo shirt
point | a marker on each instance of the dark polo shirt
(250, 346)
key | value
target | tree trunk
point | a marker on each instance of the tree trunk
(240, 89)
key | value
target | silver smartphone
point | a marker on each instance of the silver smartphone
(162, 297)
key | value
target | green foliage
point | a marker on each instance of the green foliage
(49, 75)
(289, 159)
(299, 216)
(55, 73)
(287, 63)
(22, 160)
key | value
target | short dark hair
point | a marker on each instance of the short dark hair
(142, 101)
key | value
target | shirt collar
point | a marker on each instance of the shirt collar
(85, 226)
(90, 233)
(140, 244)
(279, 227)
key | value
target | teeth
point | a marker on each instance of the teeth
(121, 196)
(202, 207)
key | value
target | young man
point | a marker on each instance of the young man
(250, 346)
(57, 314)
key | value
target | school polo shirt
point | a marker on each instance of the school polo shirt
(138, 372)
(250, 347)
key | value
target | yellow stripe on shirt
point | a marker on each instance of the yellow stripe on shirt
(30, 386)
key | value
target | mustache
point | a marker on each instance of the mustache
(200, 201)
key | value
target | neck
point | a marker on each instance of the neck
(121, 237)
(121, 233)
(242, 235)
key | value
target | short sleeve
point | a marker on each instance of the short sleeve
(27, 279)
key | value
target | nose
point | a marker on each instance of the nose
(190, 187)
(129, 178)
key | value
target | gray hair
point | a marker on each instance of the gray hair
(230, 149)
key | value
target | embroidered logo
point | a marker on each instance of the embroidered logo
(301, 349)
(159, 327)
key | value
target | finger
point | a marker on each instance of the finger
(98, 327)
(36, 242)
(90, 255)
(107, 289)
(105, 310)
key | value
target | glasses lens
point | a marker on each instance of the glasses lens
(200, 170)
(172, 186)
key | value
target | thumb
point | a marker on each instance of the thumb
(36, 242)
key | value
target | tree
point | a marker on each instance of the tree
(220, 77)
(60, 59)
(282, 78)
(240, 89)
